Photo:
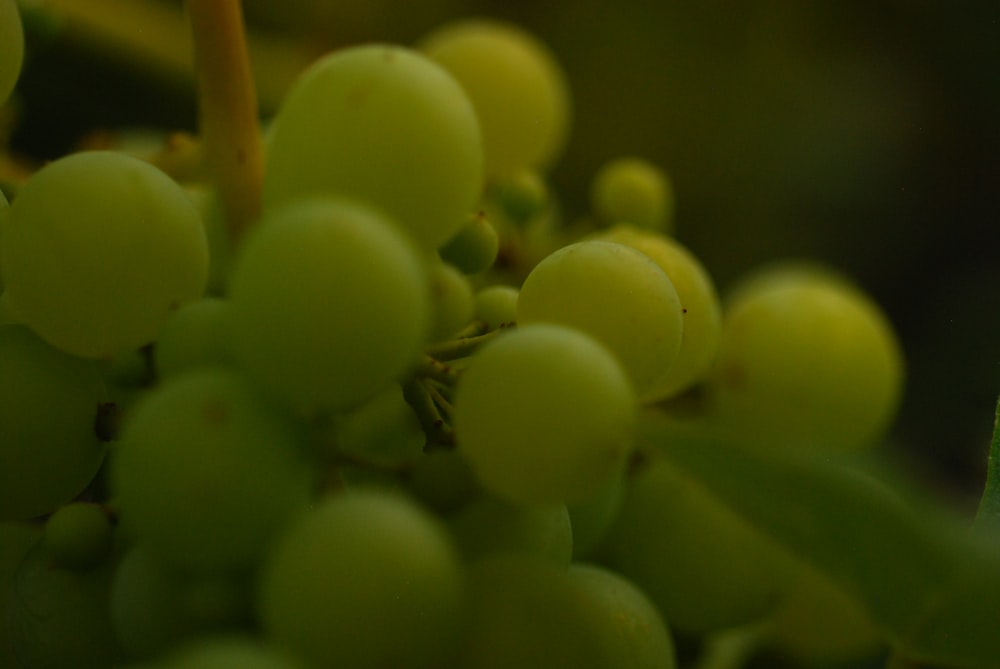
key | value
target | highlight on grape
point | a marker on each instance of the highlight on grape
(356, 391)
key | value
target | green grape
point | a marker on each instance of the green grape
(633, 190)
(703, 566)
(60, 618)
(702, 314)
(98, 250)
(11, 47)
(806, 361)
(523, 195)
(451, 301)
(382, 124)
(15, 540)
(79, 535)
(615, 294)
(631, 631)
(496, 306)
(49, 401)
(196, 335)
(818, 622)
(146, 605)
(518, 90)
(443, 481)
(366, 580)
(329, 303)
(528, 613)
(592, 518)
(228, 652)
(544, 415)
(489, 525)
(207, 473)
(474, 247)
(384, 431)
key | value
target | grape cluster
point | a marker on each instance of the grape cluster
(397, 424)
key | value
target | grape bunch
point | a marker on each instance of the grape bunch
(399, 421)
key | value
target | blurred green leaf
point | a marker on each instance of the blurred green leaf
(930, 583)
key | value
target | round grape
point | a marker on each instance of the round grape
(98, 250)
(516, 86)
(382, 124)
(329, 303)
(544, 415)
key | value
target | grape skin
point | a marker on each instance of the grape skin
(544, 415)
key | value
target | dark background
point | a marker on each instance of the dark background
(863, 133)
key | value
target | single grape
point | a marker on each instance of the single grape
(49, 400)
(365, 579)
(329, 303)
(147, 606)
(11, 47)
(699, 300)
(517, 87)
(384, 431)
(489, 525)
(207, 473)
(474, 247)
(703, 566)
(197, 334)
(616, 295)
(451, 301)
(496, 306)
(806, 361)
(635, 191)
(630, 629)
(98, 250)
(523, 195)
(60, 618)
(544, 415)
(79, 535)
(385, 125)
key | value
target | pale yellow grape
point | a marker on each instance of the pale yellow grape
(382, 124)
(516, 85)
(633, 190)
(702, 314)
(496, 306)
(196, 335)
(544, 415)
(98, 250)
(451, 300)
(806, 361)
(472, 249)
(615, 294)
(329, 303)
(11, 47)
(489, 526)
(366, 580)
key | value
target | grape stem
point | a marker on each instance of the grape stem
(227, 108)
(418, 395)
(462, 347)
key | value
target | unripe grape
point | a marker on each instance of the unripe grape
(78, 535)
(516, 86)
(496, 306)
(329, 303)
(98, 250)
(806, 361)
(474, 247)
(544, 415)
(385, 125)
(702, 314)
(615, 294)
(635, 191)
